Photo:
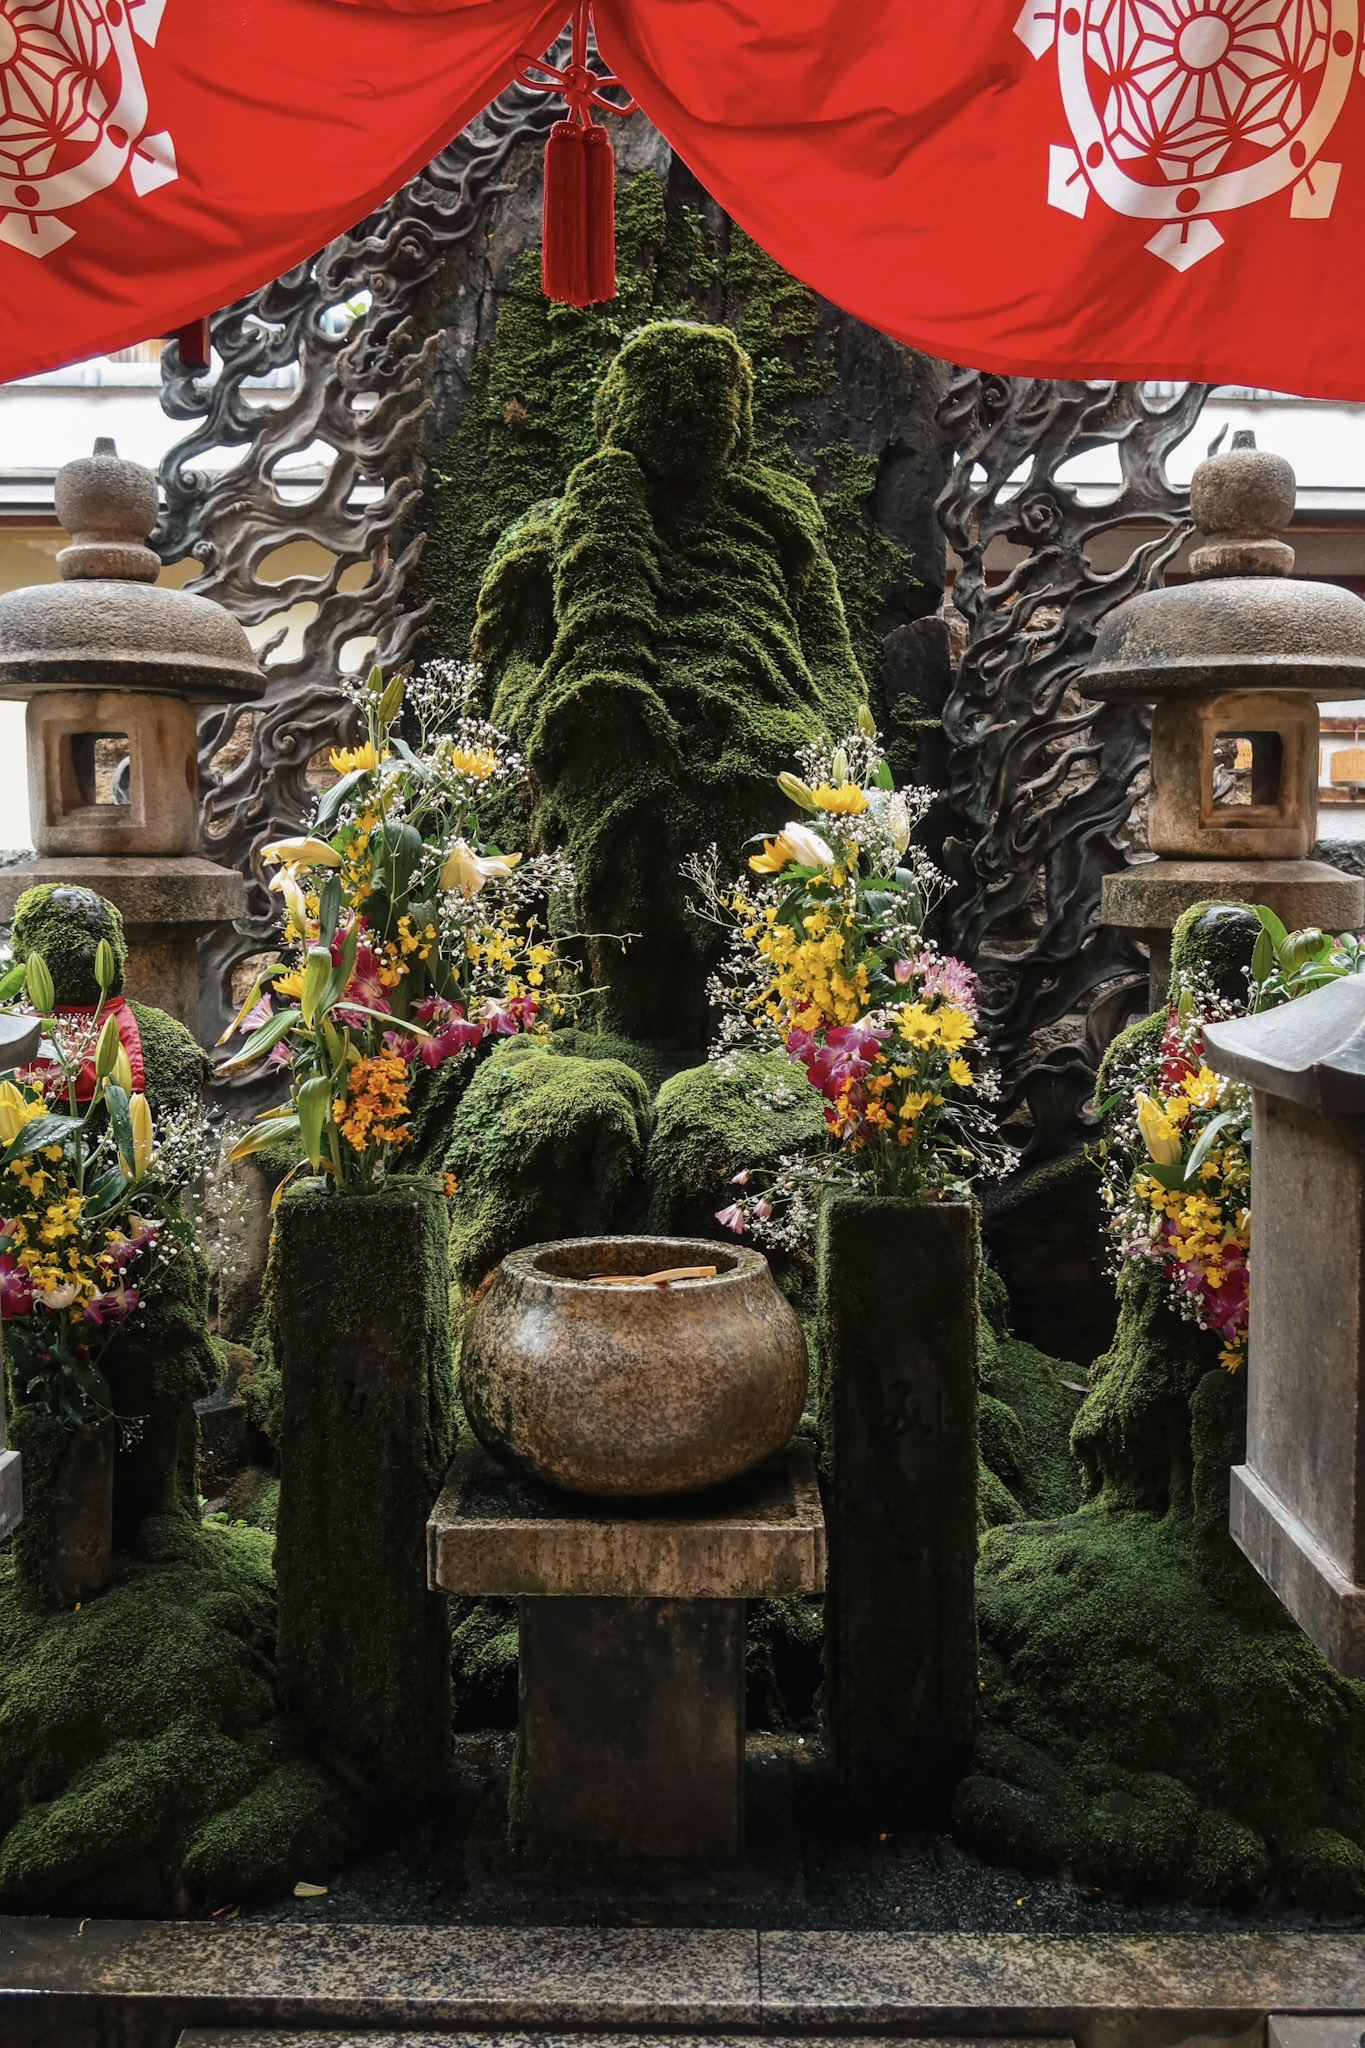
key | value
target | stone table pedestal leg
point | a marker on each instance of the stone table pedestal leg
(631, 1735)
(631, 1663)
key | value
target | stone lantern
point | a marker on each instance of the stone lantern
(112, 666)
(1298, 1503)
(1234, 663)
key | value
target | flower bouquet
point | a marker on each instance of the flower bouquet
(77, 1143)
(828, 961)
(1187, 1207)
(413, 941)
(1176, 1162)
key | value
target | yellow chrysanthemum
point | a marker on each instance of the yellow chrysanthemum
(344, 759)
(476, 762)
(845, 802)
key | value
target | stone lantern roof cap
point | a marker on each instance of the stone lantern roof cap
(1310, 1051)
(1241, 623)
(108, 625)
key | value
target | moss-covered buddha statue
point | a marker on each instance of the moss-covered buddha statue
(659, 642)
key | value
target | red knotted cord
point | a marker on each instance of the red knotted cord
(578, 246)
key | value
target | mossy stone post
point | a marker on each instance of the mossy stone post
(357, 1300)
(898, 1402)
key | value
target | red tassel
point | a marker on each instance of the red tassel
(578, 245)
(193, 343)
(564, 240)
(600, 214)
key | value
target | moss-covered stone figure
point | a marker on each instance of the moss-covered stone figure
(143, 1767)
(659, 643)
(65, 924)
(714, 1121)
(543, 1145)
(525, 416)
(1152, 1719)
(357, 1311)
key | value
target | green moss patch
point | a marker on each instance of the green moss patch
(143, 1769)
(64, 925)
(712, 1122)
(543, 1145)
(1152, 1720)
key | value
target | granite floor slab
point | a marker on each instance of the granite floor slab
(1101, 1989)
(110, 1984)
(139, 1983)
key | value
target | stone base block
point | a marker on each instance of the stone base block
(1329, 1608)
(1150, 898)
(631, 1729)
(11, 1493)
(168, 905)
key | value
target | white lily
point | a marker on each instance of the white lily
(298, 854)
(467, 871)
(793, 843)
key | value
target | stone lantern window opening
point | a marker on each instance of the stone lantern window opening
(101, 769)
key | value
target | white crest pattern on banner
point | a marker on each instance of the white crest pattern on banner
(1183, 109)
(73, 112)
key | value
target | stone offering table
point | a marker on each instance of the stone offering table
(631, 1733)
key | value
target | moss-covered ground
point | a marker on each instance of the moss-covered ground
(1152, 1721)
(143, 1766)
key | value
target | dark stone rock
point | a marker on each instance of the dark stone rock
(223, 1444)
(1045, 1231)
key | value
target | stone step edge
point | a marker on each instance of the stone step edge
(351, 2037)
(468, 1978)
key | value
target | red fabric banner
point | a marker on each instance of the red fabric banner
(1134, 188)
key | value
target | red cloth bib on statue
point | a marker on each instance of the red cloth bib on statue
(1103, 189)
(130, 1038)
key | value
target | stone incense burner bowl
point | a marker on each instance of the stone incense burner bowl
(637, 1389)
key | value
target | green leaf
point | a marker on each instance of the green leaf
(317, 976)
(885, 779)
(1172, 1177)
(329, 908)
(418, 767)
(12, 982)
(272, 1132)
(1270, 923)
(106, 1192)
(120, 1123)
(1206, 1138)
(41, 1131)
(331, 800)
(263, 1037)
(314, 1104)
